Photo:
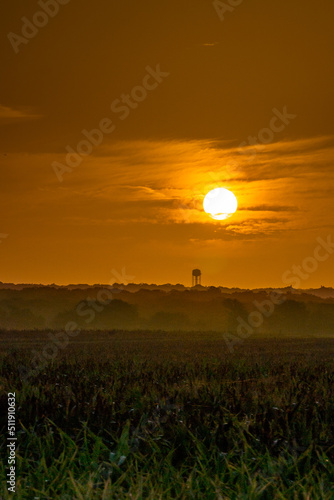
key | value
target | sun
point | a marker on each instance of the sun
(220, 203)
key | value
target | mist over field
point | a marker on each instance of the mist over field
(168, 308)
(146, 391)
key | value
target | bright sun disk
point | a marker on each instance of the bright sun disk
(220, 203)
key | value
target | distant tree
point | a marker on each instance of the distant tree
(233, 310)
(163, 320)
(290, 317)
(90, 314)
(14, 314)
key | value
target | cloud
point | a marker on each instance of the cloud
(9, 114)
(273, 208)
(284, 188)
(287, 159)
(210, 44)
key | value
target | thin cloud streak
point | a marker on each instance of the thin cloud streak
(9, 114)
(164, 182)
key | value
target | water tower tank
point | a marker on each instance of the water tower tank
(196, 277)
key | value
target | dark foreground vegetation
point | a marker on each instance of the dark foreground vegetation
(138, 415)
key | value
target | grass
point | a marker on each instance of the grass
(173, 417)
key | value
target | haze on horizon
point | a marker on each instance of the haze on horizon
(135, 202)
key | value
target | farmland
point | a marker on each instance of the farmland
(159, 415)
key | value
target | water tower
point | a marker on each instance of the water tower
(196, 277)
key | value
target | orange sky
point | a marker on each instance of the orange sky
(136, 201)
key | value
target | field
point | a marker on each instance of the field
(154, 415)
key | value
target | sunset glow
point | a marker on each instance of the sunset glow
(220, 203)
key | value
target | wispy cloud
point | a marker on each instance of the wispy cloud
(284, 187)
(8, 114)
(273, 208)
(210, 44)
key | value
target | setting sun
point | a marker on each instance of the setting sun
(220, 203)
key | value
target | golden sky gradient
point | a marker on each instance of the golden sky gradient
(136, 201)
